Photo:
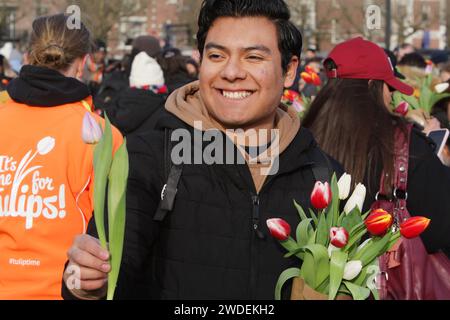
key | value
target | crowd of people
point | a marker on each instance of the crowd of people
(213, 242)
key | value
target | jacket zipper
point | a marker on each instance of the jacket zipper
(254, 247)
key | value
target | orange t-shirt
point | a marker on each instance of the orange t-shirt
(46, 190)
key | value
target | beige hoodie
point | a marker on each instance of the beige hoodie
(187, 105)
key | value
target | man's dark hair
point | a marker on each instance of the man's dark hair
(289, 37)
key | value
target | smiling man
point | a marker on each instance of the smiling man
(207, 238)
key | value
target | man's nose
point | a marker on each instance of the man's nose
(233, 70)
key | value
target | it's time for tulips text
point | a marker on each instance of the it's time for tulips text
(110, 177)
(334, 262)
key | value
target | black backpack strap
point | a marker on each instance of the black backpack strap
(173, 174)
(322, 167)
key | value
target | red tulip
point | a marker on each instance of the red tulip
(402, 109)
(309, 69)
(307, 77)
(321, 195)
(279, 229)
(413, 227)
(378, 222)
(316, 79)
(339, 237)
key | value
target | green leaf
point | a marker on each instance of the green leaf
(300, 210)
(394, 238)
(102, 164)
(116, 213)
(373, 249)
(285, 276)
(319, 268)
(352, 219)
(365, 215)
(412, 101)
(314, 217)
(337, 266)
(424, 99)
(312, 237)
(308, 270)
(438, 97)
(358, 293)
(355, 238)
(323, 233)
(303, 232)
(333, 209)
(293, 248)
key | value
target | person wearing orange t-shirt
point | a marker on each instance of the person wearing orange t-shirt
(46, 170)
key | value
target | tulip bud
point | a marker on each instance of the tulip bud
(338, 237)
(402, 108)
(307, 77)
(344, 184)
(356, 200)
(316, 79)
(352, 270)
(46, 145)
(91, 132)
(378, 222)
(309, 69)
(413, 227)
(279, 229)
(441, 87)
(321, 195)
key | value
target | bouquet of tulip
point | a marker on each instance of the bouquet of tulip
(293, 99)
(111, 173)
(424, 98)
(334, 262)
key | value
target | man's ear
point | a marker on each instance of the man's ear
(291, 72)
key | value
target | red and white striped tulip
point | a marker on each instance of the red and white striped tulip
(321, 195)
(414, 227)
(402, 108)
(279, 229)
(339, 237)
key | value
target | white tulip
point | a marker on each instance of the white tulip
(441, 87)
(352, 270)
(46, 145)
(344, 184)
(356, 200)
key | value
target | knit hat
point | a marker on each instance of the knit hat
(148, 44)
(145, 71)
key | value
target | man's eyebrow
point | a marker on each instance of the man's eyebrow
(213, 45)
(263, 48)
(258, 48)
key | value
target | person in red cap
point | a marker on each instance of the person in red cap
(352, 122)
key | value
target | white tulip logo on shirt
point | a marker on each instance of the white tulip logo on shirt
(25, 199)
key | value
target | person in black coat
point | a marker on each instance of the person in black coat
(135, 109)
(211, 241)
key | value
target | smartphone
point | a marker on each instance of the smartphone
(440, 138)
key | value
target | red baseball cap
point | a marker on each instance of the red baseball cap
(361, 59)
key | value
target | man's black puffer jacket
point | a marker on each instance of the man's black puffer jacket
(207, 247)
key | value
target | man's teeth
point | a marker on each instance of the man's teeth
(237, 95)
